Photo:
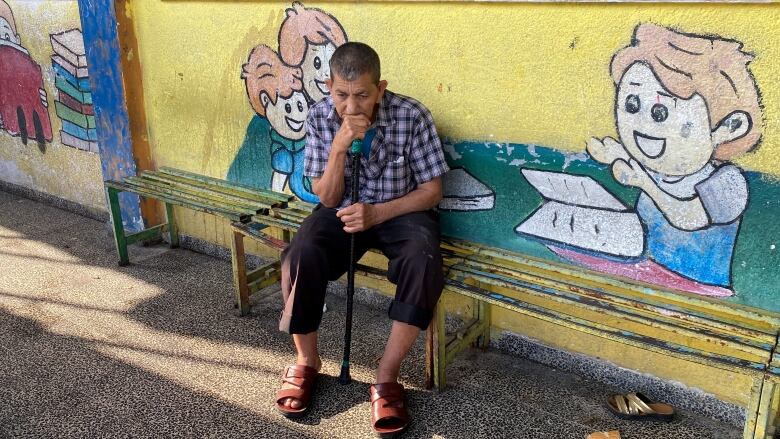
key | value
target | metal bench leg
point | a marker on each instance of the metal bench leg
(119, 229)
(239, 273)
(173, 231)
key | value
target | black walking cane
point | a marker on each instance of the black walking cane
(344, 378)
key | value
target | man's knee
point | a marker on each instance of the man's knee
(419, 259)
(302, 253)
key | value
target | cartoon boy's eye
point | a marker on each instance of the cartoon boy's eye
(288, 108)
(300, 106)
(317, 62)
(632, 104)
(659, 112)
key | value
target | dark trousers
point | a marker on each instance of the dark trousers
(319, 252)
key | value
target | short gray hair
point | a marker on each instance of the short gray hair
(353, 59)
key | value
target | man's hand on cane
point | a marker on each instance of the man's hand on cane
(358, 217)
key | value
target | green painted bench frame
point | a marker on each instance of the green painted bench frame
(174, 187)
(706, 331)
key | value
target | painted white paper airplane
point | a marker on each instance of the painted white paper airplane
(464, 192)
(579, 212)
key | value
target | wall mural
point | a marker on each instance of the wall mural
(685, 106)
(74, 97)
(23, 101)
(281, 86)
(661, 203)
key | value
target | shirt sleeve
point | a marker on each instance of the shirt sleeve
(724, 194)
(316, 153)
(426, 153)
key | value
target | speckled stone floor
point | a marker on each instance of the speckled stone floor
(89, 349)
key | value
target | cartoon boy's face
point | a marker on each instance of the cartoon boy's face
(316, 69)
(6, 32)
(665, 133)
(288, 115)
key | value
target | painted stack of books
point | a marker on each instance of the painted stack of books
(74, 97)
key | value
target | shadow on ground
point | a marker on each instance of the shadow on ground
(155, 349)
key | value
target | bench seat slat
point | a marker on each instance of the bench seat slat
(193, 195)
(206, 192)
(680, 302)
(276, 222)
(287, 215)
(233, 216)
(736, 314)
(257, 193)
(301, 206)
(622, 321)
(193, 200)
(625, 337)
(637, 306)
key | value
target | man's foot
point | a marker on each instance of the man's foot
(294, 397)
(389, 415)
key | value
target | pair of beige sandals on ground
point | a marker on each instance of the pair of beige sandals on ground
(634, 406)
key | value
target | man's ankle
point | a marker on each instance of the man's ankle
(386, 376)
(313, 362)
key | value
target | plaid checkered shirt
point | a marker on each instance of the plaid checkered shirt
(406, 150)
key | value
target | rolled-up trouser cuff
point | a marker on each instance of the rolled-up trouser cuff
(410, 314)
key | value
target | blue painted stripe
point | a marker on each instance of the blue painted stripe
(77, 131)
(81, 84)
(64, 86)
(99, 27)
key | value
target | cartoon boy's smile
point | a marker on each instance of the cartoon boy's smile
(295, 125)
(322, 86)
(652, 147)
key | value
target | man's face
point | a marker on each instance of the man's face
(6, 32)
(356, 97)
(288, 115)
(664, 133)
(316, 69)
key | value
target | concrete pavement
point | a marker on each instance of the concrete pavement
(90, 349)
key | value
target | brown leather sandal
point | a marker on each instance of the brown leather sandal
(303, 378)
(389, 416)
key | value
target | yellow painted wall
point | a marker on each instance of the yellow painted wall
(62, 171)
(515, 72)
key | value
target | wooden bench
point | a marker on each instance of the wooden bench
(712, 332)
(174, 187)
(706, 331)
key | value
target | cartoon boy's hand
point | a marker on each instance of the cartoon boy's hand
(606, 151)
(630, 173)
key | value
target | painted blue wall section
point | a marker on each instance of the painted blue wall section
(98, 24)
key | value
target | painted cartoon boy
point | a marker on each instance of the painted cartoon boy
(686, 106)
(307, 39)
(275, 93)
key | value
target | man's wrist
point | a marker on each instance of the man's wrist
(340, 144)
(380, 213)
